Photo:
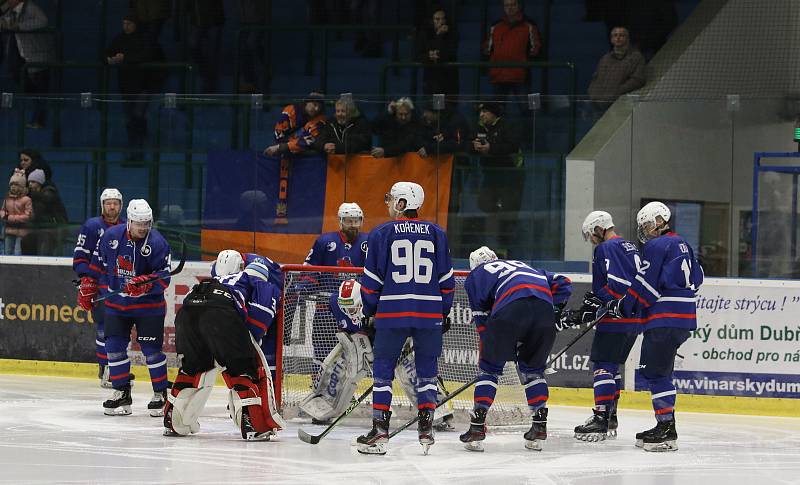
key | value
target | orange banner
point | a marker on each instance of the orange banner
(357, 178)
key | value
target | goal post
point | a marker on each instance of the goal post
(307, 328)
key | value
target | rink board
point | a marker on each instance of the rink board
(747, 344)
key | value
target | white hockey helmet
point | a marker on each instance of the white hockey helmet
(139, 211)
(412, 192)
(601, 219)
(228, 261)
(110, 194)
(647, 219)
(350, 209)
(481, 255)
(349, 299)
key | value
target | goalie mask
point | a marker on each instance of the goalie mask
(228, 262)
(480, 256)
(652, 221)
(349, 300)
(594, 220)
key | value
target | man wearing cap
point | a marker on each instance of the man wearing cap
(90, 233)
(298, 127)
(501, 192)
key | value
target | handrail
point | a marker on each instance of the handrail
(325, 29)
(483, 65)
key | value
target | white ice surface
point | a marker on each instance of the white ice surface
(52, 430)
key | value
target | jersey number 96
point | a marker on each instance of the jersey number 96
(410, 258)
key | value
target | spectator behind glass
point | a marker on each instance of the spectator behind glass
(151, 16)
(16, 213)
(23, 48)
(30, 160)
(400, 132)
(348, 133)
(252, 58)
(500, 196)
(298, 127)
(206, 20)
(619, 71)
(49, 216)
(443, 131)
(129, 49)
(513, 38)
(436, 44)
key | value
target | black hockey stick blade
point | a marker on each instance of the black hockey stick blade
(314, 439)
(173, 272)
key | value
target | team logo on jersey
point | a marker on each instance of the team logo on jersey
(331, 246)
(101, 232)
(146, 250)
(345, 261)
(347, 246)
(125, 266)
(113, 243)
(364, 247)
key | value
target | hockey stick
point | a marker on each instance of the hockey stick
(473, 381)
(602, 313)
(175, 271)
(314, 439)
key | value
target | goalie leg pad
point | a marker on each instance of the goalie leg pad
(406, 374)
(248, 408)
(348, 363)
(186, 401)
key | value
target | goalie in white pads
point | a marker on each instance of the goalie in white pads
(219, 325)
(351, 360)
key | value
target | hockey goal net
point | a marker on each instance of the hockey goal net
(308, 329)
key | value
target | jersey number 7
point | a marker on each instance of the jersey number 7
(408, 256)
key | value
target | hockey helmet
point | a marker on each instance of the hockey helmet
(350, 210)
(411, 192)
(481, 255)
(349, 299)
(595, 219)
(647, 220)
(228, 261)
(110, 194)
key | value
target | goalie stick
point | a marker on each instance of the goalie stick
(175, 271)
(474, 380)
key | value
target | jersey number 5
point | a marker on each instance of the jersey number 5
(409, 257)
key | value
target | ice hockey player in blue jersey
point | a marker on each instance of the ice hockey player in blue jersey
(662, 294)
(407, 286)
(345, 247)
(219, 325)
(90, 233)
(614, 262)
(231, 261)
(351, 360)
(128, 258)
(514, 310)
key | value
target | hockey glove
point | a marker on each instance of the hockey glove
(591, 301)
(558, 309)
(446, 324)
(87, 291)
(569, 318)
(139, 285)
(614, 308)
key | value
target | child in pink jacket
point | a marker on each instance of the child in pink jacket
(16, 213)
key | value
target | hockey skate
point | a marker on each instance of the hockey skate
(444, 424)
(473, 438)
(538, 431)
(156, 404)
(103, 375)
(249, 432)
(120, 402)
(663, 437)
(595, 428)
(613, 424)
(375, 442)
(425, 430)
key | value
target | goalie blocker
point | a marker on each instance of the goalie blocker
(211, 335)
